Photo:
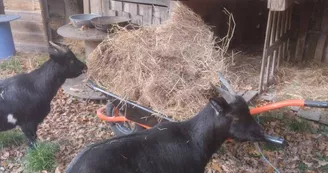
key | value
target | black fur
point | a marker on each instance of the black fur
(27, 96)
(174, 147)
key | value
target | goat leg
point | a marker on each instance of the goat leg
(29, 129)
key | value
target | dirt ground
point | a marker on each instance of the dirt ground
(72, 123)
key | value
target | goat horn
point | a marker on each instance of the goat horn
(59, 48)
(226, 84)
(225, 94)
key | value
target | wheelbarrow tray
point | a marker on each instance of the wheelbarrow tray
(132, 111)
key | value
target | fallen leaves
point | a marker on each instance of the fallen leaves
(73, 124)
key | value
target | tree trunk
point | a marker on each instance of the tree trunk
(2, 7)
(73, 7)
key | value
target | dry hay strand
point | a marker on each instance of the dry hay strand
(298, 82)
(167, 68)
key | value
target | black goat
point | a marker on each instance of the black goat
(25, 98)
(173, 147)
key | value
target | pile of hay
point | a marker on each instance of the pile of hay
(167, 68)
(310, 82)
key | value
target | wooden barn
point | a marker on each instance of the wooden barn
(283, 30)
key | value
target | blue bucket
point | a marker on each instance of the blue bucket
(7, 46)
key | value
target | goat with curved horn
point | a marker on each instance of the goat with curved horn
(58, 47)
(224, 93)
(226, 84)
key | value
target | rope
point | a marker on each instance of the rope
(260, 151)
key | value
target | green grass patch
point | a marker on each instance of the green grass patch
(302, 167)
(11, 138)
(299, 125)
(39, 61)
(12, 64)
(43, 157)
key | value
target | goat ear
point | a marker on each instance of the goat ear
(219, 104)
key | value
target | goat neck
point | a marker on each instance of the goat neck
(209, 130)
(49, 78)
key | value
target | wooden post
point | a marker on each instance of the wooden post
(265, 50)
(45, 17)
(276, 52)
(2, 7)
(284, 48)
(73, 7)
(320, 54)
(272, 38)
(289, 27)
(306, 10)
(86, 6)
(282, 32)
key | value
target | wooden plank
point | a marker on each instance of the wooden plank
(164, 13)
(241, 93)
(26, 5)
(33, 38)
(285, 25)
(266, 45)
(325, 56)
(45, 16)
(165, 3)
(27, 26)
(276, 44)
(137, 19)
(126, 14)
(279, 5)
(96, 7)
(34, 16)
(115, 5)
(305, 16)
(86, 6)
(146, 12)
(272, 38)
(250, 95)
(156, 21)
(112, 13)
(310, 114)
(105, 7)
(288, 51)
(282, 25)
(130, 8)
(321, 45)
(277, 52)
(30, 47)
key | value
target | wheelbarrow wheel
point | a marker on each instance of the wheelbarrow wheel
(123, 128)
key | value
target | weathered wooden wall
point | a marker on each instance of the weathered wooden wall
(146, 13)
(29, 32)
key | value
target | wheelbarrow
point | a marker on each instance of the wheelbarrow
(126, 117)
